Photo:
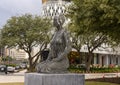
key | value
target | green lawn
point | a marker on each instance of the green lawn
(86, 83)
(11, 83)
(99, 83)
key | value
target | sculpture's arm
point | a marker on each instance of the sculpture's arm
(67, 49)
(50, 55)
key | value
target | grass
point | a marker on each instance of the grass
(99, 83)
(12, 83)
(86, 83)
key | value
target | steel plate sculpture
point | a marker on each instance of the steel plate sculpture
(60, 46)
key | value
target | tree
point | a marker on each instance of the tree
(97, 15)
(87, 22)
(77, 43)
(91, 41)
(27, 32)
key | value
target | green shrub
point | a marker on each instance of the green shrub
(75, 69)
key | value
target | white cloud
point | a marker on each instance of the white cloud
(9, 8)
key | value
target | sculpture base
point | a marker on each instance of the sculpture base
(54, 79)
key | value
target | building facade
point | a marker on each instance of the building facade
(15, 53)
(52, 8)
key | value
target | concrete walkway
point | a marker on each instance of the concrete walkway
(101, 75)
(19, 77)
(12, 77)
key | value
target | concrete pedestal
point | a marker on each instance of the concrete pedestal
(54, 79)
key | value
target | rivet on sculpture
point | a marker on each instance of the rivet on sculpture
(60, 46)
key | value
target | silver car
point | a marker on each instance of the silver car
(10, 69)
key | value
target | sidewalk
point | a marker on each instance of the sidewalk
(12, 77)
(19, 77)
(101, 75)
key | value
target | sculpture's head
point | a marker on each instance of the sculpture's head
(59, 21)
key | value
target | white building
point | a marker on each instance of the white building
(18, 54)
(52, 8)
(105, 56)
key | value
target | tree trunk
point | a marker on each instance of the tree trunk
(88, 61)
(31, 66)
(80, 58)
(32, 62)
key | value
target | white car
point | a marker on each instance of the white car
(10, 69)
(2, 68)
(23, 66)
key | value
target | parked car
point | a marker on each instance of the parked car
(2, 68)
(17, 67)
(23, 66)
(10, 69)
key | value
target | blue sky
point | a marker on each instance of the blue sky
(10, 8)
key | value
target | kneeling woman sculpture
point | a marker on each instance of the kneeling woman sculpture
(60, 46)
